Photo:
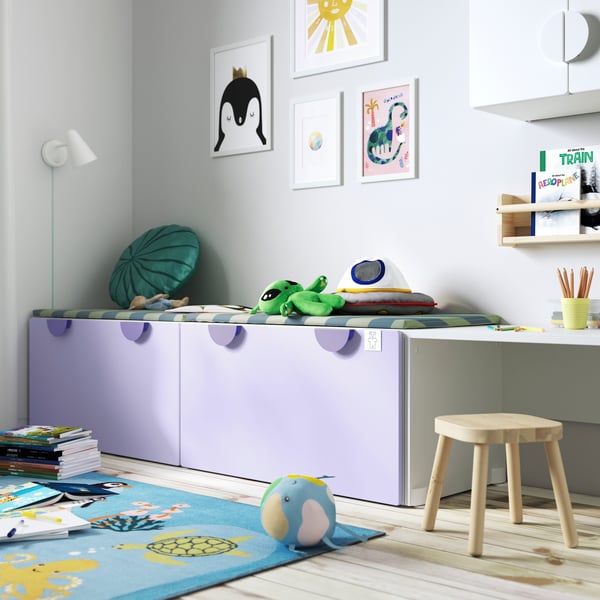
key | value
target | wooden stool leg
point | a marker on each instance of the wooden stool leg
(438, 474)
(478, 496)
(561, 493)
(513, 476)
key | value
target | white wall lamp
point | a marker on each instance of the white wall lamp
(55, 154)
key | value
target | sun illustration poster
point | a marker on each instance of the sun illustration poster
(388, 138)
(335, 34)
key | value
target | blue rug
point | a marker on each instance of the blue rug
(148, 543)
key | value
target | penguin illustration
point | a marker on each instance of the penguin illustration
(240, 111)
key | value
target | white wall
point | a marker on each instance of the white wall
(9, 337)
(69, 67)
(76, 63)
(440, 228)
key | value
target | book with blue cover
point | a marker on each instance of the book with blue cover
(35, 494)
(18, 496)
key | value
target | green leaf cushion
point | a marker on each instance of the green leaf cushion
(160, 261)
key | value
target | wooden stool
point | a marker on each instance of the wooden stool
(498, 428)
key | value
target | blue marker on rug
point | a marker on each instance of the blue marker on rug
(12, 532)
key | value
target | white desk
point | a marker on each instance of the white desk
(554, 335)
(550, 374)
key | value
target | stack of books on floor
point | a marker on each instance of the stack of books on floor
(48, 452)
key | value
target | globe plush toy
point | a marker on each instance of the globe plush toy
(298, 510)
(285, 297)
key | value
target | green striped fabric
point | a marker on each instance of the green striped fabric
(356, 321)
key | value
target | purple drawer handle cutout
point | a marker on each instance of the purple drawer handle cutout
(333, 340)
(58, 327)
(133, 330)
(223, 335)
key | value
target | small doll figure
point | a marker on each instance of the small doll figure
(157, 302)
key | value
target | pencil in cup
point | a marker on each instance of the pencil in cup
(567, 282)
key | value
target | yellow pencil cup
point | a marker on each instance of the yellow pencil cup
(575, 312)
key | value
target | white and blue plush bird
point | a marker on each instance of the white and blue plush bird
(299, 511)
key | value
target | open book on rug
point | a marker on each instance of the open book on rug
(33, 494)
(39, 525)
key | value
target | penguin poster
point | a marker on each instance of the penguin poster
(241, 98)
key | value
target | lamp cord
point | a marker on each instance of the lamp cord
(52, 238)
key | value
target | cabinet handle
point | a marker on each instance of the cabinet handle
(223, 335)
(134, 330)
(333, 340)
(564, 36)
(58, 327)
(577, 33)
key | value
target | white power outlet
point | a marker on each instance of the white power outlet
(372, 340)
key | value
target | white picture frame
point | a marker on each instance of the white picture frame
(316, 126)
(325, 37)
(241, 97)
(387, 145)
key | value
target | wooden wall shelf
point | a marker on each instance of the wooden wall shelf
(514, 221)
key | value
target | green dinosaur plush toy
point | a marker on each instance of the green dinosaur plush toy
(285, 297)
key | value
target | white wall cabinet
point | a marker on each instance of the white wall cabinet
(535, 60)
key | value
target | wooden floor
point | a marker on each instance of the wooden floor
(519, 561)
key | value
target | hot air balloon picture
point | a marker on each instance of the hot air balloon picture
(241, 98)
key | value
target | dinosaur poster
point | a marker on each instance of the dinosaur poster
(388, 137)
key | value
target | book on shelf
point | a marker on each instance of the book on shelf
(555, 186)
(29, 525)
(36, 494)
(587, 160)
